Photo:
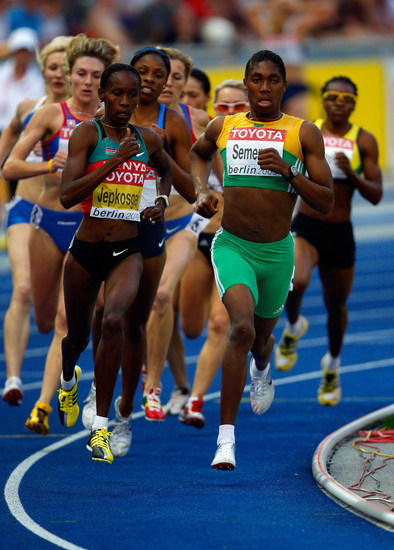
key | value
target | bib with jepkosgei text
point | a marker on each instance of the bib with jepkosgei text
(240, 142)
(119, 195)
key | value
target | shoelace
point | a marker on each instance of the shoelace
(288, 344)
(226, 448)
(258, 385)
(40, 414)
(122, 427)
(153, 404)
(100, 439)
(330, 381)
(90, 397)
(122, 424)
(196, 405)
(67, 399)
(153, 399)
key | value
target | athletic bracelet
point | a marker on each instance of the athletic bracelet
(165, 199)
(50, 167)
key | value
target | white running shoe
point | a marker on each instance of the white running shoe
(262, 389)
(121, 433)
(178, 400)
(224, 456)
(89, 410)
(12, 392)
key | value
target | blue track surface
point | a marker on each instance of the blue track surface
(163, 494)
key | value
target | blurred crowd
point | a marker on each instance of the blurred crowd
(129, 22)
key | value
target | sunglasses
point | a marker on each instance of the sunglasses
(343, 97)
(237, 107)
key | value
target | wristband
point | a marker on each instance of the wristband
(165, 199)
(50, 167)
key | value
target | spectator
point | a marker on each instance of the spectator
(18, 73)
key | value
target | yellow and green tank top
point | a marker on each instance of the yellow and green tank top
(239, 144)
(346, 144)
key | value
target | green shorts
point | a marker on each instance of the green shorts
(265, 268)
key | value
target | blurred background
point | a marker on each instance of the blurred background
(317, 40)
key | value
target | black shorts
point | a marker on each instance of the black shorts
(99, 258)
(204, 245)
(333, 241)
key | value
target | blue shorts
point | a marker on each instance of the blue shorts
(60, 226)
(19, 211)
(173, 226)
(152, 239)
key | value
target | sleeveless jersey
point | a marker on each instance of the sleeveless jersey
(59, 142)
(119, 196)
(32, 157)
(150, 187)
(186, 112)
(346, 144)
(239, 143)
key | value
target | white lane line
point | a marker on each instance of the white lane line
(11, 491)
(315, 320)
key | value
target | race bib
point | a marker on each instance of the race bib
(243, 146)
(333, 145)
(119, 195)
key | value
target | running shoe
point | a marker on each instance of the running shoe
(12, 392)
(121, 433)
(262, 389)
(89, 410)
(152, 404)
(68, 403)
(329, 392)
(98, 443)
(286, 351)
(177, 401)
(224, 456)
(38, 418)
(191, 414)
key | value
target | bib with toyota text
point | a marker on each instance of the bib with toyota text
(119, 195)
(346, 144)
(240, 142)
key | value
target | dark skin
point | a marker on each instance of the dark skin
(316, 191)
(154, 76)
(154, 73)
(120, 97)
(257, 215)
(336, 283)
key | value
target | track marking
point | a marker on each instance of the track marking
(11, 490)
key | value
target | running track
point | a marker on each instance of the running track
(163, 494)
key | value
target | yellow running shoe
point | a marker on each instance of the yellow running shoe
(98, 443)
(286, 351)
(38, 418)
(67, 403)
(329, 392)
